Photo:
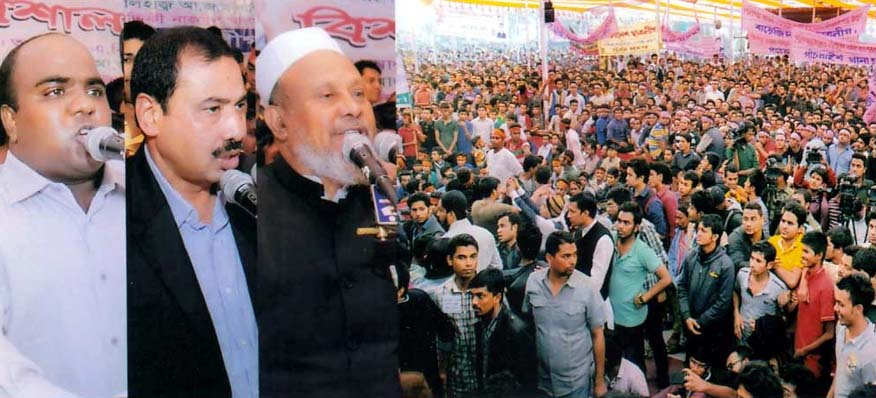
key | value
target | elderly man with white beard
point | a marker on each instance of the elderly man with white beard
(325, 302)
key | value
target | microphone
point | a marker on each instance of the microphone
(104, 143)
(357, 149)
(388, 145)
(238, 188)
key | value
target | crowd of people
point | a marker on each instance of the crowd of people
(719, 210)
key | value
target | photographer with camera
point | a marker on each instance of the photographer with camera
(777, 190)
(742, 154)
(846, 208)
(814, 157)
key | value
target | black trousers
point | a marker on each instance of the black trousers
(632, 342)
(654, 334)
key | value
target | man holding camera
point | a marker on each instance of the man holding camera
(742, 154)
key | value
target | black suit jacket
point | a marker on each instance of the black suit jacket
(173, 350)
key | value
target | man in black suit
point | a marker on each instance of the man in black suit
(328, 313)
(191, 325)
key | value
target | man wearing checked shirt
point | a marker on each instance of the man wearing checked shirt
(457, 357)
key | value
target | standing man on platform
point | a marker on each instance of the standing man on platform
(190, 254)
(62, 262)
(326, 303)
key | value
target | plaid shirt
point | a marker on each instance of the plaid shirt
(462, 380)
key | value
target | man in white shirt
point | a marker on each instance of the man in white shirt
(501, 163)
(62, 229)
(574, 95)
(452, 209)
(573, 143)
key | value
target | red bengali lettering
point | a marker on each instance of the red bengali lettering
(58, 17)
(341, 25)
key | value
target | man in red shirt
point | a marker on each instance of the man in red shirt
(423, 95)
(411, 136)
(659, 179)
(815, 318)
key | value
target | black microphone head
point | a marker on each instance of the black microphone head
(232, 181)
(93, 142)
(353, 141)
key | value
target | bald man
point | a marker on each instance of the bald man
(62, 216)
(328, 322)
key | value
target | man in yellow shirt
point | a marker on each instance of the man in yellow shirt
(789, 249)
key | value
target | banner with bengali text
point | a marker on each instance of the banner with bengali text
(466, 23)
(870, 114)
(699, 46)
(637, 39)
(365, 29)
(761, 44)
(813, 47)
(770, 34)
(233, 17)
(404, 99)
(97, 27)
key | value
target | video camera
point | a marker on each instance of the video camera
(848, 194)
(738, 134)
(773, 172)
(813, 157)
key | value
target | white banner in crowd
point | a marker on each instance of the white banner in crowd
(364, 28)
(97, 27)
(643, 38)
(233, 17)
(465, 23)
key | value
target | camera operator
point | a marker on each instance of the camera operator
(813, 158)
(742, 153)
(858, 168)
(777, 190)
(847, 206)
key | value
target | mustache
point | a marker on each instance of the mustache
(228, 148)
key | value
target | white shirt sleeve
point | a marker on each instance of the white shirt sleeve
(513, 164)
(573, 143)
(601, 258)
(496, 259)
(19, 377)
(633, 379)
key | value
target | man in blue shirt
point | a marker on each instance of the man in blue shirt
(569, 320)
(619, 131)
(188, 253)
(839, 155)
(602, 124)
(635, 260)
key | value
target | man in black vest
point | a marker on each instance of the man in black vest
(593, 240)
(326, 304)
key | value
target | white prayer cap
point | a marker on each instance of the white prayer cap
(286, 49)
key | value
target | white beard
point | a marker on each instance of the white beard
(328, 164)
